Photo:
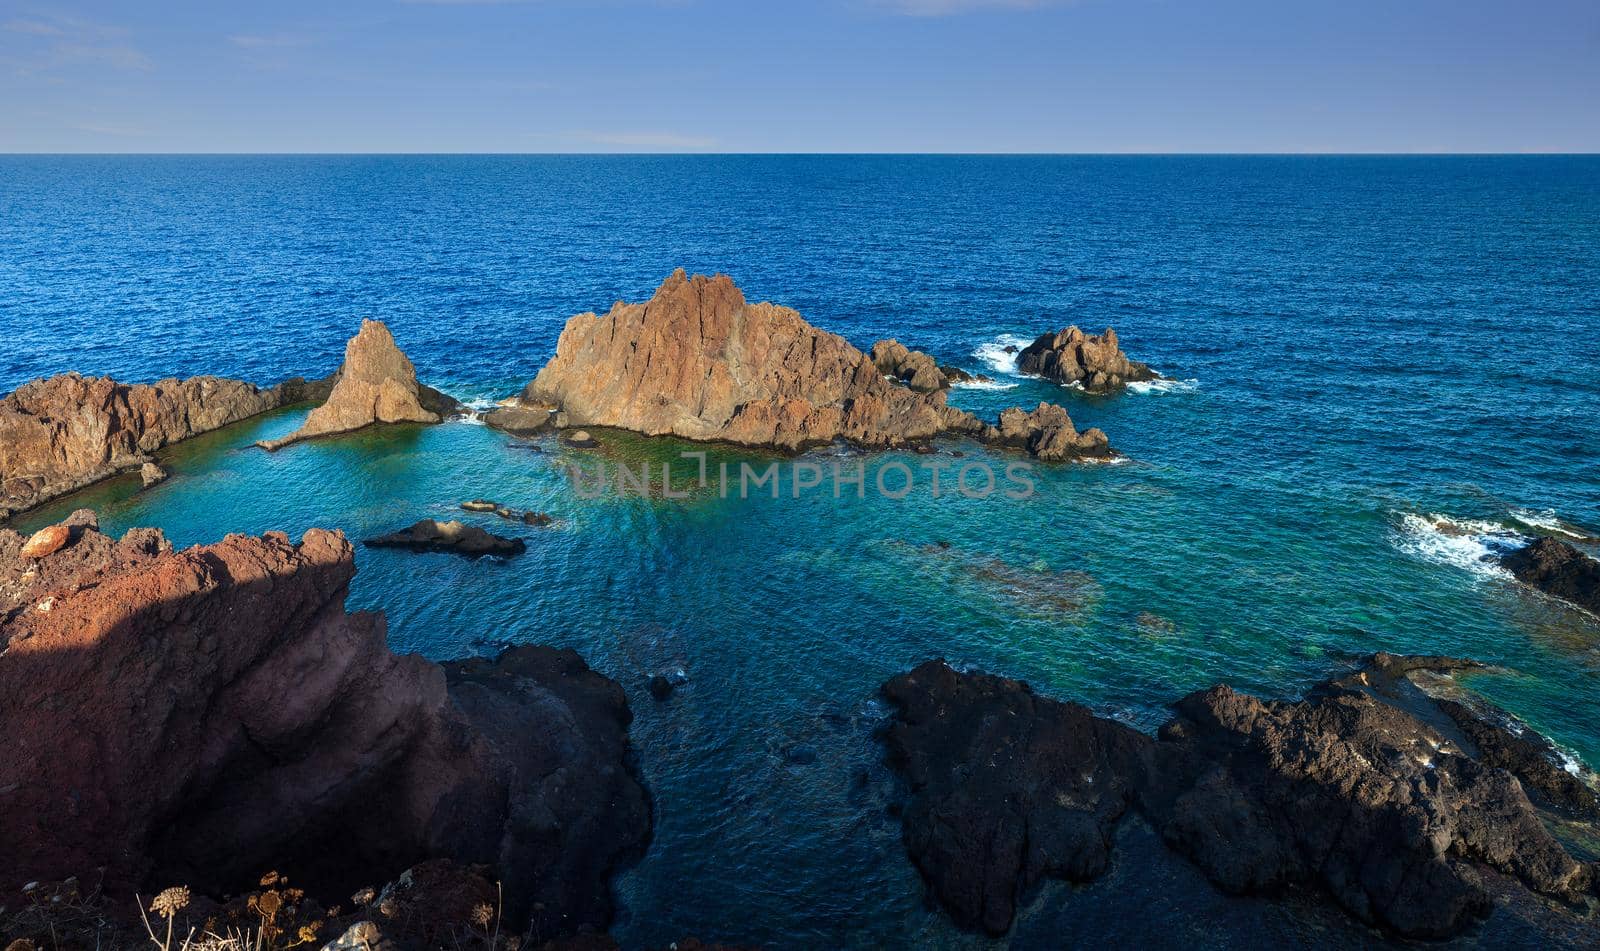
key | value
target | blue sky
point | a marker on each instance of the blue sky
(826, 76)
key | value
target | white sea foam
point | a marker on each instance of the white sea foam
(1164, 386)
(983, 385)
(1547, 520)
(994, 352)
(1472, 544)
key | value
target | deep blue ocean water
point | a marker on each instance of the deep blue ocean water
(1388, 366)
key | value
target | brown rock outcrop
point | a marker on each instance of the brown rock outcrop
(1364, 789)
(1096, 363)
(453, 537)
(67, 432)
(198, 716)
(1047, 433)
(697, 361)
(912, 367)
(375, 384)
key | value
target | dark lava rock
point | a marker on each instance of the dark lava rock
(1006, 787)
(1559, 570)
(1353, 790)
(454, 537)
(1526, 755)
(660, 687)
(537, 519)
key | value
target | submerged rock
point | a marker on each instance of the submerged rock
(1559, 570)
(67, 432)
(453, 537)
(520, 420)
(661, 687)
(376, 384)
(1096, 363)
(1386, 810)
(202, 715)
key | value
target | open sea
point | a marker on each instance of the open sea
(1387, 368)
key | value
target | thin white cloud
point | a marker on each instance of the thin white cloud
(60, 43)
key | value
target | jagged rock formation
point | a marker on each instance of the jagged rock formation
(697, 361)
(1363, 789)
(454, 537)
(1047, 433)
(375, 384)
(1096, 363)
(67, 432)
(916, 369)
(198, 716)
(1559, 570)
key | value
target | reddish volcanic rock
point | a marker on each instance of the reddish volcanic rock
(61, 434)
(1047, 432)
(1096, 363)
(699, 362)
(201, 715)
(375, 384)
(46, 541)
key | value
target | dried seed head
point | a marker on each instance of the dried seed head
(171, 901)
(364, 897)
(482, 914)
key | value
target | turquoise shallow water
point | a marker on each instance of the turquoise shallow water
(1371, 343)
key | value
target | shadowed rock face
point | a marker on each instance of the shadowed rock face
(1396, 815)
(199, 716)
(1096, 363)
(1559, 570)
(375, 384)
(64, 433)
(697, 361)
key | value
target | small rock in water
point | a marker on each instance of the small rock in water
(480, 505)
(660, 687)
(505, 513)
(580, 440)
(454, 537)
(537, 519)
(152, 474)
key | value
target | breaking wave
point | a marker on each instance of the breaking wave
(1473, 544)
(995, 356)
(1164, 386)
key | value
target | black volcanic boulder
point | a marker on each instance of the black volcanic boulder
(1393, 813)
(453, 537)
(1006, 787)
(1559, 570)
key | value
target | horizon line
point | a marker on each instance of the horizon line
(693, 153)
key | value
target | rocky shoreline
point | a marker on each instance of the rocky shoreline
(1394, 805)
(200, 716)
